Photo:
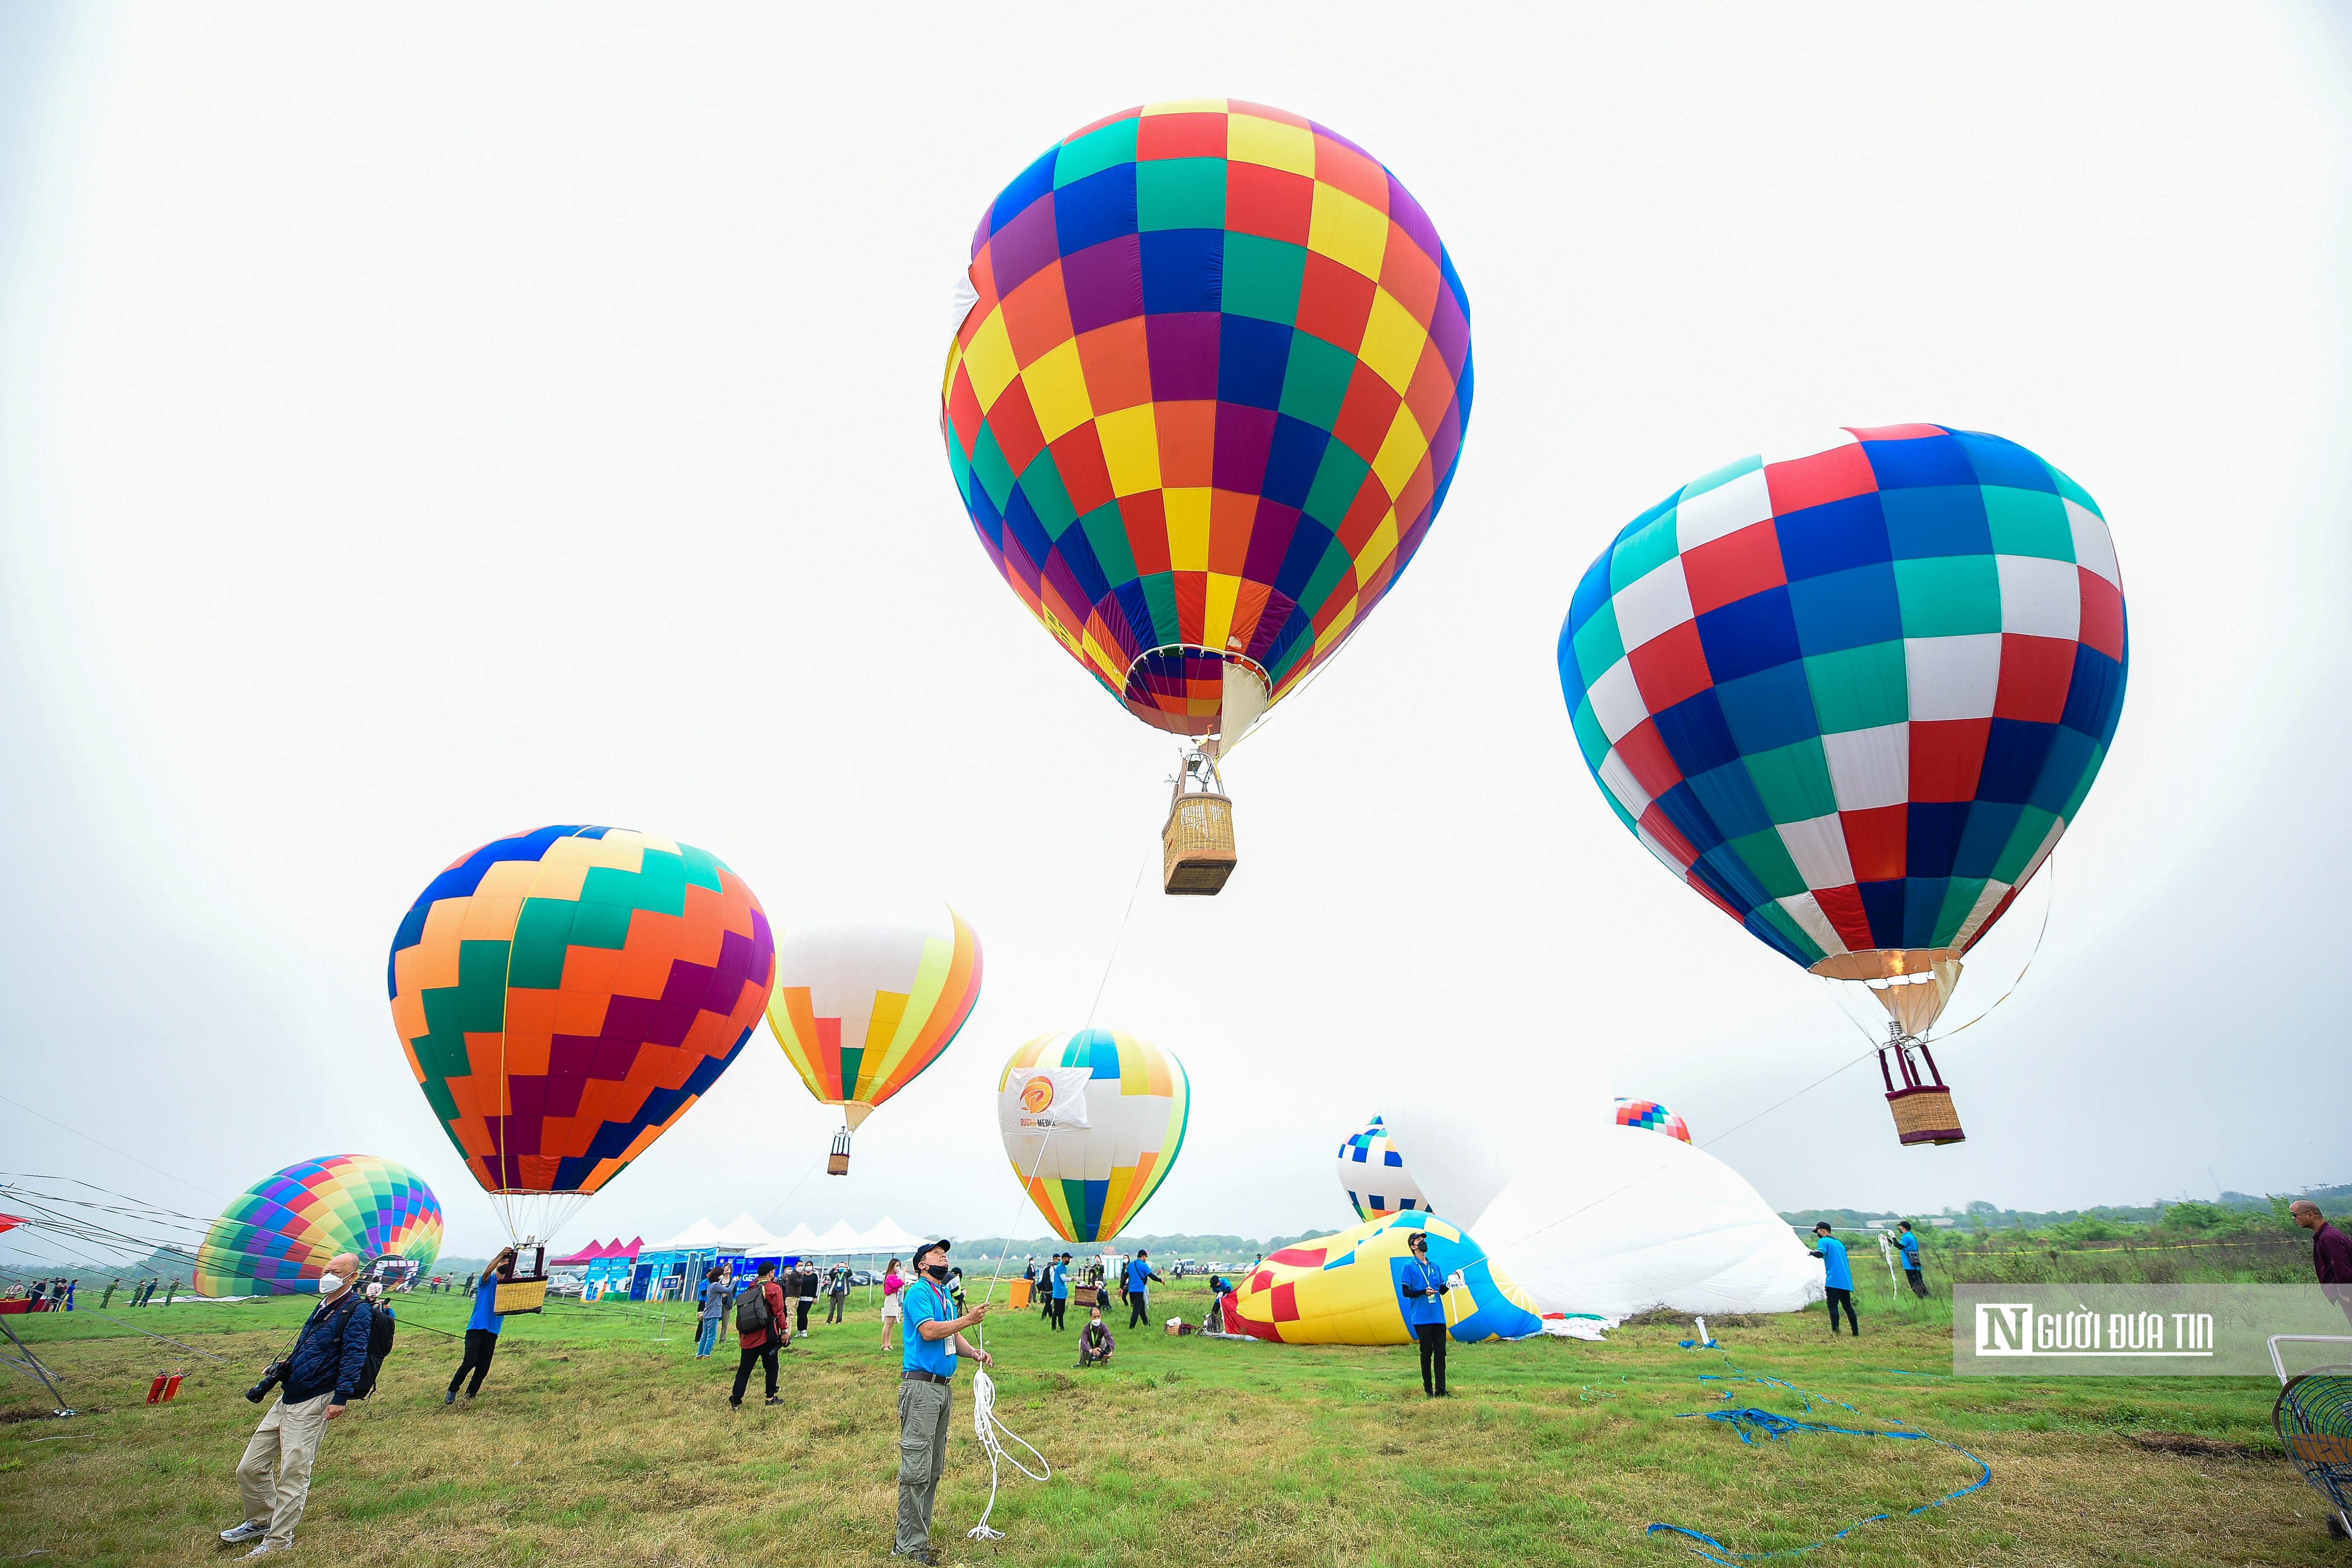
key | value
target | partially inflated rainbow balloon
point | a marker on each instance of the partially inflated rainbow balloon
(279, 1235)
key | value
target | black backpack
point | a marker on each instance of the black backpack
(380, 1332)
(752, 1313)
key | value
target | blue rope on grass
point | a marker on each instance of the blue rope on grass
(1747, 1420)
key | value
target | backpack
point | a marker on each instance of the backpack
(752, 1314)
(380, 1332)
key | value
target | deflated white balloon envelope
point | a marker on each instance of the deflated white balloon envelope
(1619, 1220)
(1465, 1135)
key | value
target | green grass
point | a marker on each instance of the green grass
(594, 1443)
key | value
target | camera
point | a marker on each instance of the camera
(271, 1376)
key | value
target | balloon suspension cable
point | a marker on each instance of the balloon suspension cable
(985, 1424)
(1119, 936)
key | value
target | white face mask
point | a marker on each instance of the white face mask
(330, 1283)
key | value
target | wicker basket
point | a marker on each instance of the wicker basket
(836, 1164)
(1199, 844)
(511, 1296)
(1924, 1115)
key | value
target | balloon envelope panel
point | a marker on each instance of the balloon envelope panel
(859, 1009)
(282, 1231)
(564, 994)
(1090, 1182)
(1210, 397)
(1853, 695)
(1372, 1174)
(1655, 1118)
(1346, 1289)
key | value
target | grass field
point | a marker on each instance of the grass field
(594, 1443)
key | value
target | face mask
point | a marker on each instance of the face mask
(937, 1271)
(330, 1283)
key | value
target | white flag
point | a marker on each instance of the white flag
(1037, 1099)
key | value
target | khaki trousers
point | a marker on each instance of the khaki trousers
(923, 1410)
(274, 1474)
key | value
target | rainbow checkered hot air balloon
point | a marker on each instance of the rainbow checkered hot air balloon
(1207, 400)
(1091, 1182)
(861, 1007)
(564, 994)
(1853, 694)
(1650, 1114)
(1373, 1173)
(279, 1235)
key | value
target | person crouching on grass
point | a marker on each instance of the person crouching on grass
(316, 1381)
(1095, 1343)
(927, 1394)
(1837, 1277)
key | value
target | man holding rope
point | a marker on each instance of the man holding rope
(934, 1338)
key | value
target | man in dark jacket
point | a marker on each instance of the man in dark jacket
(319, 1376)
(2331, 1254)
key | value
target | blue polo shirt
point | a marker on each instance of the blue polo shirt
(486, 1307)
(1836, 1274)
(1427, 1307)
(1061, 1283)
(1139, 1276)
(927, 1302)
(1909, 1242)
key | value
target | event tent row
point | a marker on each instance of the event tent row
(749, 1237)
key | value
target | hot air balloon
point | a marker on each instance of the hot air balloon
(1650, 1114)
(1372, 1174)
(277, 1234)
(564, 994)
(860, 1009)
(1348, 1289)
(1204, 407)
(1853, 696)
(1092, 1120)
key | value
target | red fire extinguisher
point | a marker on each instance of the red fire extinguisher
(164, 1389)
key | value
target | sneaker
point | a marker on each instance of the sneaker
(921, 1554)
(774, 1400)
(263, 1550)
(450, 1397)
(248, 1530)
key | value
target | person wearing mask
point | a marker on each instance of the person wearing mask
(836, 1293)
(1837, 1275)
(763, 1326)
(1907, 1241)
(927, 1394)
(482, 1328)
(2331, 1254)
(807, 1292)
(1425, 1312)
(894, 1292)
(1139, 1279)
(955, 1288)
(715, 1296)
(1059, 1301)
(1094, 1343)
(314, 1387)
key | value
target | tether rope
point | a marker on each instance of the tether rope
(985, 1424)
(1748, 1419)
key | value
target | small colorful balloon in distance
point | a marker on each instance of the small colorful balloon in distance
(278, 1235)
(1091, 1182)
(564, 994)
(1372, 1174)
(1853, 694)
(1347, 1288)
(1207, 401)
(1650, 1114)
(859, 1008)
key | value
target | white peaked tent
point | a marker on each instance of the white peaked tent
(841, 1239)
(747, 1233)
(799, 1242)
(701, 1237)
(1620, 1219)
(888, 1237)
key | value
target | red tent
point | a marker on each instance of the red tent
(599, 1249)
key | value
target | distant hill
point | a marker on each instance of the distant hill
(2333, 1199)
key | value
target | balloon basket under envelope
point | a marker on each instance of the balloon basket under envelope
(1924, 1115)
(1197, 843)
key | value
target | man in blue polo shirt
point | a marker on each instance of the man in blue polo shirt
(926, 1394)
(1140, 1275)
(1060, 1303)
(1837, 1275)
(1909, 1244)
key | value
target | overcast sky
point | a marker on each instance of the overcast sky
(419, 425)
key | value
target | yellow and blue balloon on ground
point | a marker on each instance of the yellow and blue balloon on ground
(1346, 1289)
